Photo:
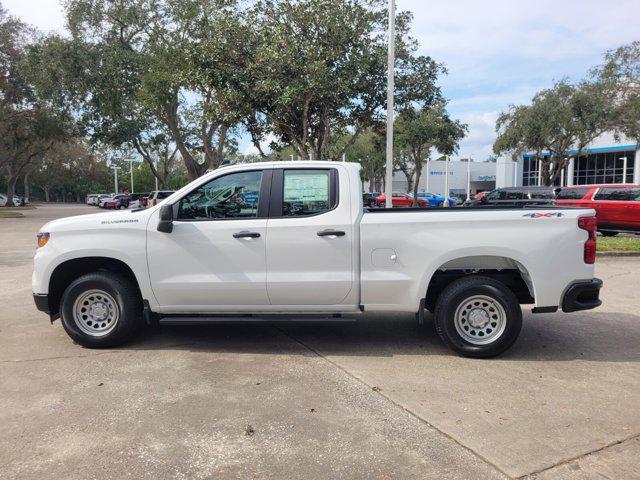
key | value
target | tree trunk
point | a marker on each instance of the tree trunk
(415, 187)
(45, 190)
(27, 187)
(409, 176)
(417, 172)
(11, 188)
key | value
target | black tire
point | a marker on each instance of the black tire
(608, 233)
(440, 204)
(125, 294)
(456, 294)
(382, 205)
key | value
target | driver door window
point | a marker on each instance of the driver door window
(232, 196)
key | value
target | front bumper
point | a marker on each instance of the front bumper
(582, 295)
(42, 302)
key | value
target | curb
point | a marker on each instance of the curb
(618, 253)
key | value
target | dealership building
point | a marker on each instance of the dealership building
(480, 175)
(604, 161)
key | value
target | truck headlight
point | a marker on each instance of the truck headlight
(43, 238)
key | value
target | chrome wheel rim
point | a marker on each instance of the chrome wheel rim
(96, 313)
(480, 320)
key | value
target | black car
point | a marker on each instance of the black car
(534, 195)
(369, 198)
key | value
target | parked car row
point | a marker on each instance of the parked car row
(17, 201)
(401, 199)
(617, 206)
(127, 200)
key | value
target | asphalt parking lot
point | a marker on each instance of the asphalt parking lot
(380, 398)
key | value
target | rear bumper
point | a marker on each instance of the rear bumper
(42, 302)
(582, 295)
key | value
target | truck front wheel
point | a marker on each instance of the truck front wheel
(101, 310)
(478, 316)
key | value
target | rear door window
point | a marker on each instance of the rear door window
(542, 194)
(307, 192)
(513, 195)
(619, 194)
(572, 193)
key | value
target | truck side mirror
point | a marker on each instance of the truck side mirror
(166, 219)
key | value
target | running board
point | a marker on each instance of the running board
(219, 319)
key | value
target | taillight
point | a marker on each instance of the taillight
(144, 201)
(155, 202)
(589, 224)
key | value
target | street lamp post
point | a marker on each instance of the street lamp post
(131, 172)
(469, 178)
(115, 177)
(427, 183)
(390, 87)
(446, 182)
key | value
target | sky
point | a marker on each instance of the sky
(497, 52)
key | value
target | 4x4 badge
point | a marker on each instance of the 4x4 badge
(542, 215)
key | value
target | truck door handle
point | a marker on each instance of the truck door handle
(331, 233)
(245, 234)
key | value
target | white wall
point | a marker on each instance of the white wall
(483, 176)
(508, 173)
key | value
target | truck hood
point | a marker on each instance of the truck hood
(96, 220)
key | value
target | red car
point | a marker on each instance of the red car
(400, 200)
(117, 202)
(617, 206)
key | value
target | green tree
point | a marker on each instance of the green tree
(419, 131)
(620, 74)
(126, 71)
(368, 150)
(558, 125)
(315, 71)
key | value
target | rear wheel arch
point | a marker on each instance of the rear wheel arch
(68, 271)
(504, 269)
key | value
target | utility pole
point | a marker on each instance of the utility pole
(115, 177)
(624, 169)
(427, 183)
(131, 172)
(469, 178)
(391, 58)
(446, 182)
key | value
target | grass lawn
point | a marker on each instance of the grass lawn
(9, 213)
(619, 244)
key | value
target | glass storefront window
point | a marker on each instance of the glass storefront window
(606, 167)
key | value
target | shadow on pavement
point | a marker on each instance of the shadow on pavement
(601, 337)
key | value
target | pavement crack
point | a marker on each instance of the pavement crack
(378, 391)
(90, 355)
(582, 455)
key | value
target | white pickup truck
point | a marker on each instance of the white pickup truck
(292, 238)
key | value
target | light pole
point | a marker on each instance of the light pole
(469, 178)
(131, 172)
(427, 185)
(446, 182)
(624, 169)
(115, 177)
(391, 58)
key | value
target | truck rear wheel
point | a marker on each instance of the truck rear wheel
(478, 316)
(101, 310)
